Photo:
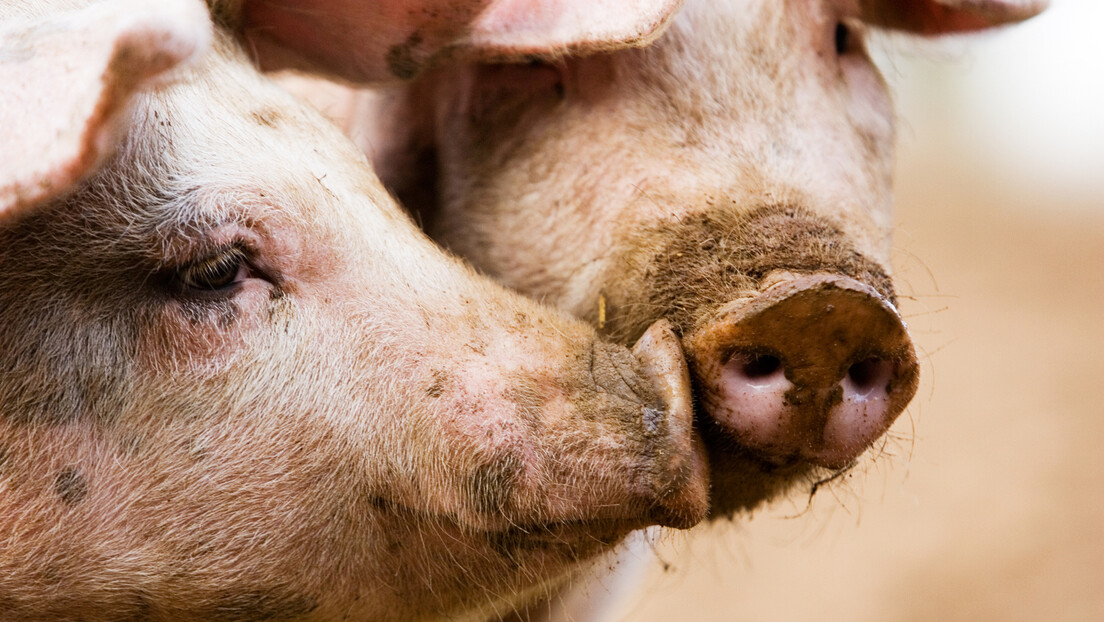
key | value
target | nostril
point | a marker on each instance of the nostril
(760, 365)
(869, 374)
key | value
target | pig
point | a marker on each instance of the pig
(238, 383)
(733, 178)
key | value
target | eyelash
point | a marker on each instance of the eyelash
(848, 37)
(217, 272)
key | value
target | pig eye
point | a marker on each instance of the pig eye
(843, 38)
(216, 272)
(848, 37)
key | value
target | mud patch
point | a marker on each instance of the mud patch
(400, 58)
(491, 486)
(267, 117)
(440, 379)
(71, 486)
(686, 269)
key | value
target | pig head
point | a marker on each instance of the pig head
(733, 178)
(238, 383)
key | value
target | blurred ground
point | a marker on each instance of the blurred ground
(988, 504)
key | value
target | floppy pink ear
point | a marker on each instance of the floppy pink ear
(363, 41)
(69, 75)
(937, 17)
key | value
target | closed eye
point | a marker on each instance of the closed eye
(848, 37)
(217, 272)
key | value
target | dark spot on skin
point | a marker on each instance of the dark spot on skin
(268, 117)
(437, 386)
(400, 58)
(224, 312)
(70, 486)
(193, 312)
(491, 486)
(273, 604)
(381, 503)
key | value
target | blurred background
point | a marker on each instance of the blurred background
(988, 502)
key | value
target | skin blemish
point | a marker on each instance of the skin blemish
(267, 117)
(491, 485)
(437, 386)
(400, 58)
(71, 486)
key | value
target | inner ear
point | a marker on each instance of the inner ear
(937, 17)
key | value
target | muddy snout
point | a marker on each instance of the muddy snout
(679, 466)
(813, 368)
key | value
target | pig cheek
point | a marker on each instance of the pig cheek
(478, 418)
(207, 334)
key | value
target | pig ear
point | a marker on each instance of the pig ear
(69, 75)
(385, 39)
(512, 29)
(936, 17)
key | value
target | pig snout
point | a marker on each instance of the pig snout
(607, 439)
(812, 368)
(679, 471)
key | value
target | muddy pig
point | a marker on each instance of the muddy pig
(734, 178)
(238, 383)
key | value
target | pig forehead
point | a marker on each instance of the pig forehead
(740, 40)
(227, 144)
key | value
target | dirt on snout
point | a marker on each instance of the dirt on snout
(987, 502)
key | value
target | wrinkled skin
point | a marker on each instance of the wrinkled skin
(746, 154)
(237, 383)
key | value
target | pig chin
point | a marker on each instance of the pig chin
(799, 358)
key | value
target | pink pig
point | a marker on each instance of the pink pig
(238, 383)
